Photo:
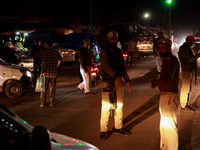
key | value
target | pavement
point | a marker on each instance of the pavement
(78, 116)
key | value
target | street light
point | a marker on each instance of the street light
(146, 16)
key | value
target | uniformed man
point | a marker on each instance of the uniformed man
(169, 98)
(156, 53)
(113, 70)
(188, 64)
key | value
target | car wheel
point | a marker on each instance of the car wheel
(13, 89)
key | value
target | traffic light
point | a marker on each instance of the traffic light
(168, 2)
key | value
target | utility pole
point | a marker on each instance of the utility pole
(169, 2)
(91, 13)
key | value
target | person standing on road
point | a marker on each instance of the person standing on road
(169, 98)
(113, 71)
(85, 65)
(188, 65)
(156, 52)
(49, 69)
(37, 59)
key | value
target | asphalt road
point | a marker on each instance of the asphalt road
(78, 116)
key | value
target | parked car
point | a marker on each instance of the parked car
(26, 59)
(67, 54)
(14, 78)
(16, 133)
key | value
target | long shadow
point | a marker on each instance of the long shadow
(142, 113)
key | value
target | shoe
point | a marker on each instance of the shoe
(52, 104)
(80, 90)
(42, 105)
(104, 135)
(89, 94)
(122, 131)
(188, 108)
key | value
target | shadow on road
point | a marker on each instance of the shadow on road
(143, 112)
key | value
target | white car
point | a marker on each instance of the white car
(27, 61)
(14, 78)
(18, 134)
(68, 55)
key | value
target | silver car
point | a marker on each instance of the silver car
(16, 133)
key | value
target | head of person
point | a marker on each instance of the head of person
(160, 34)
(38, 42)
(86, 43)
(190, 40)
(48, 44)
(164, 47)
(112, 38)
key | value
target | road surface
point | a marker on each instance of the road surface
(78, 116)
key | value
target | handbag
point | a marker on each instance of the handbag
(40, 84)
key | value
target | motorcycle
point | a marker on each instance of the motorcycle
(95, 75)
(126, 57)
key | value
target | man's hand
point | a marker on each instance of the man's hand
(129, 86)
(120, 81)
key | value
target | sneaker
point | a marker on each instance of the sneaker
(42, 105)
(52, 104)
(122, 131)
(104, 135)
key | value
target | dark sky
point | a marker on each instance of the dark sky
(185, 13)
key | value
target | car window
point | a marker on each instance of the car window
(7, 122)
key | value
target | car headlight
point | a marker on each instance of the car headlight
(28, 74)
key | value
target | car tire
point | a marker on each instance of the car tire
(13, 89)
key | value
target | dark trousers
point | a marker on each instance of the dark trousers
(36, 66)
(49, 82)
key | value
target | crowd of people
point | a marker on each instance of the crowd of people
(114, 75)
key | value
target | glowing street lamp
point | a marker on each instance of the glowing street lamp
(146, 15)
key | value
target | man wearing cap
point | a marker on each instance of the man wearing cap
(188, 64)
(169, 99)
(155, 51)
(113, 71)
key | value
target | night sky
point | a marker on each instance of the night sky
(185, 13)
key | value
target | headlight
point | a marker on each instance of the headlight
(28, 73)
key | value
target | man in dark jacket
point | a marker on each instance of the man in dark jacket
(169, 99)
(37, 59)
(85, 65)
(113, 70)
(188, 64)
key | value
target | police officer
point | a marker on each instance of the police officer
(155, 51)
(169, 98)
(188, 64)
(113, 71)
